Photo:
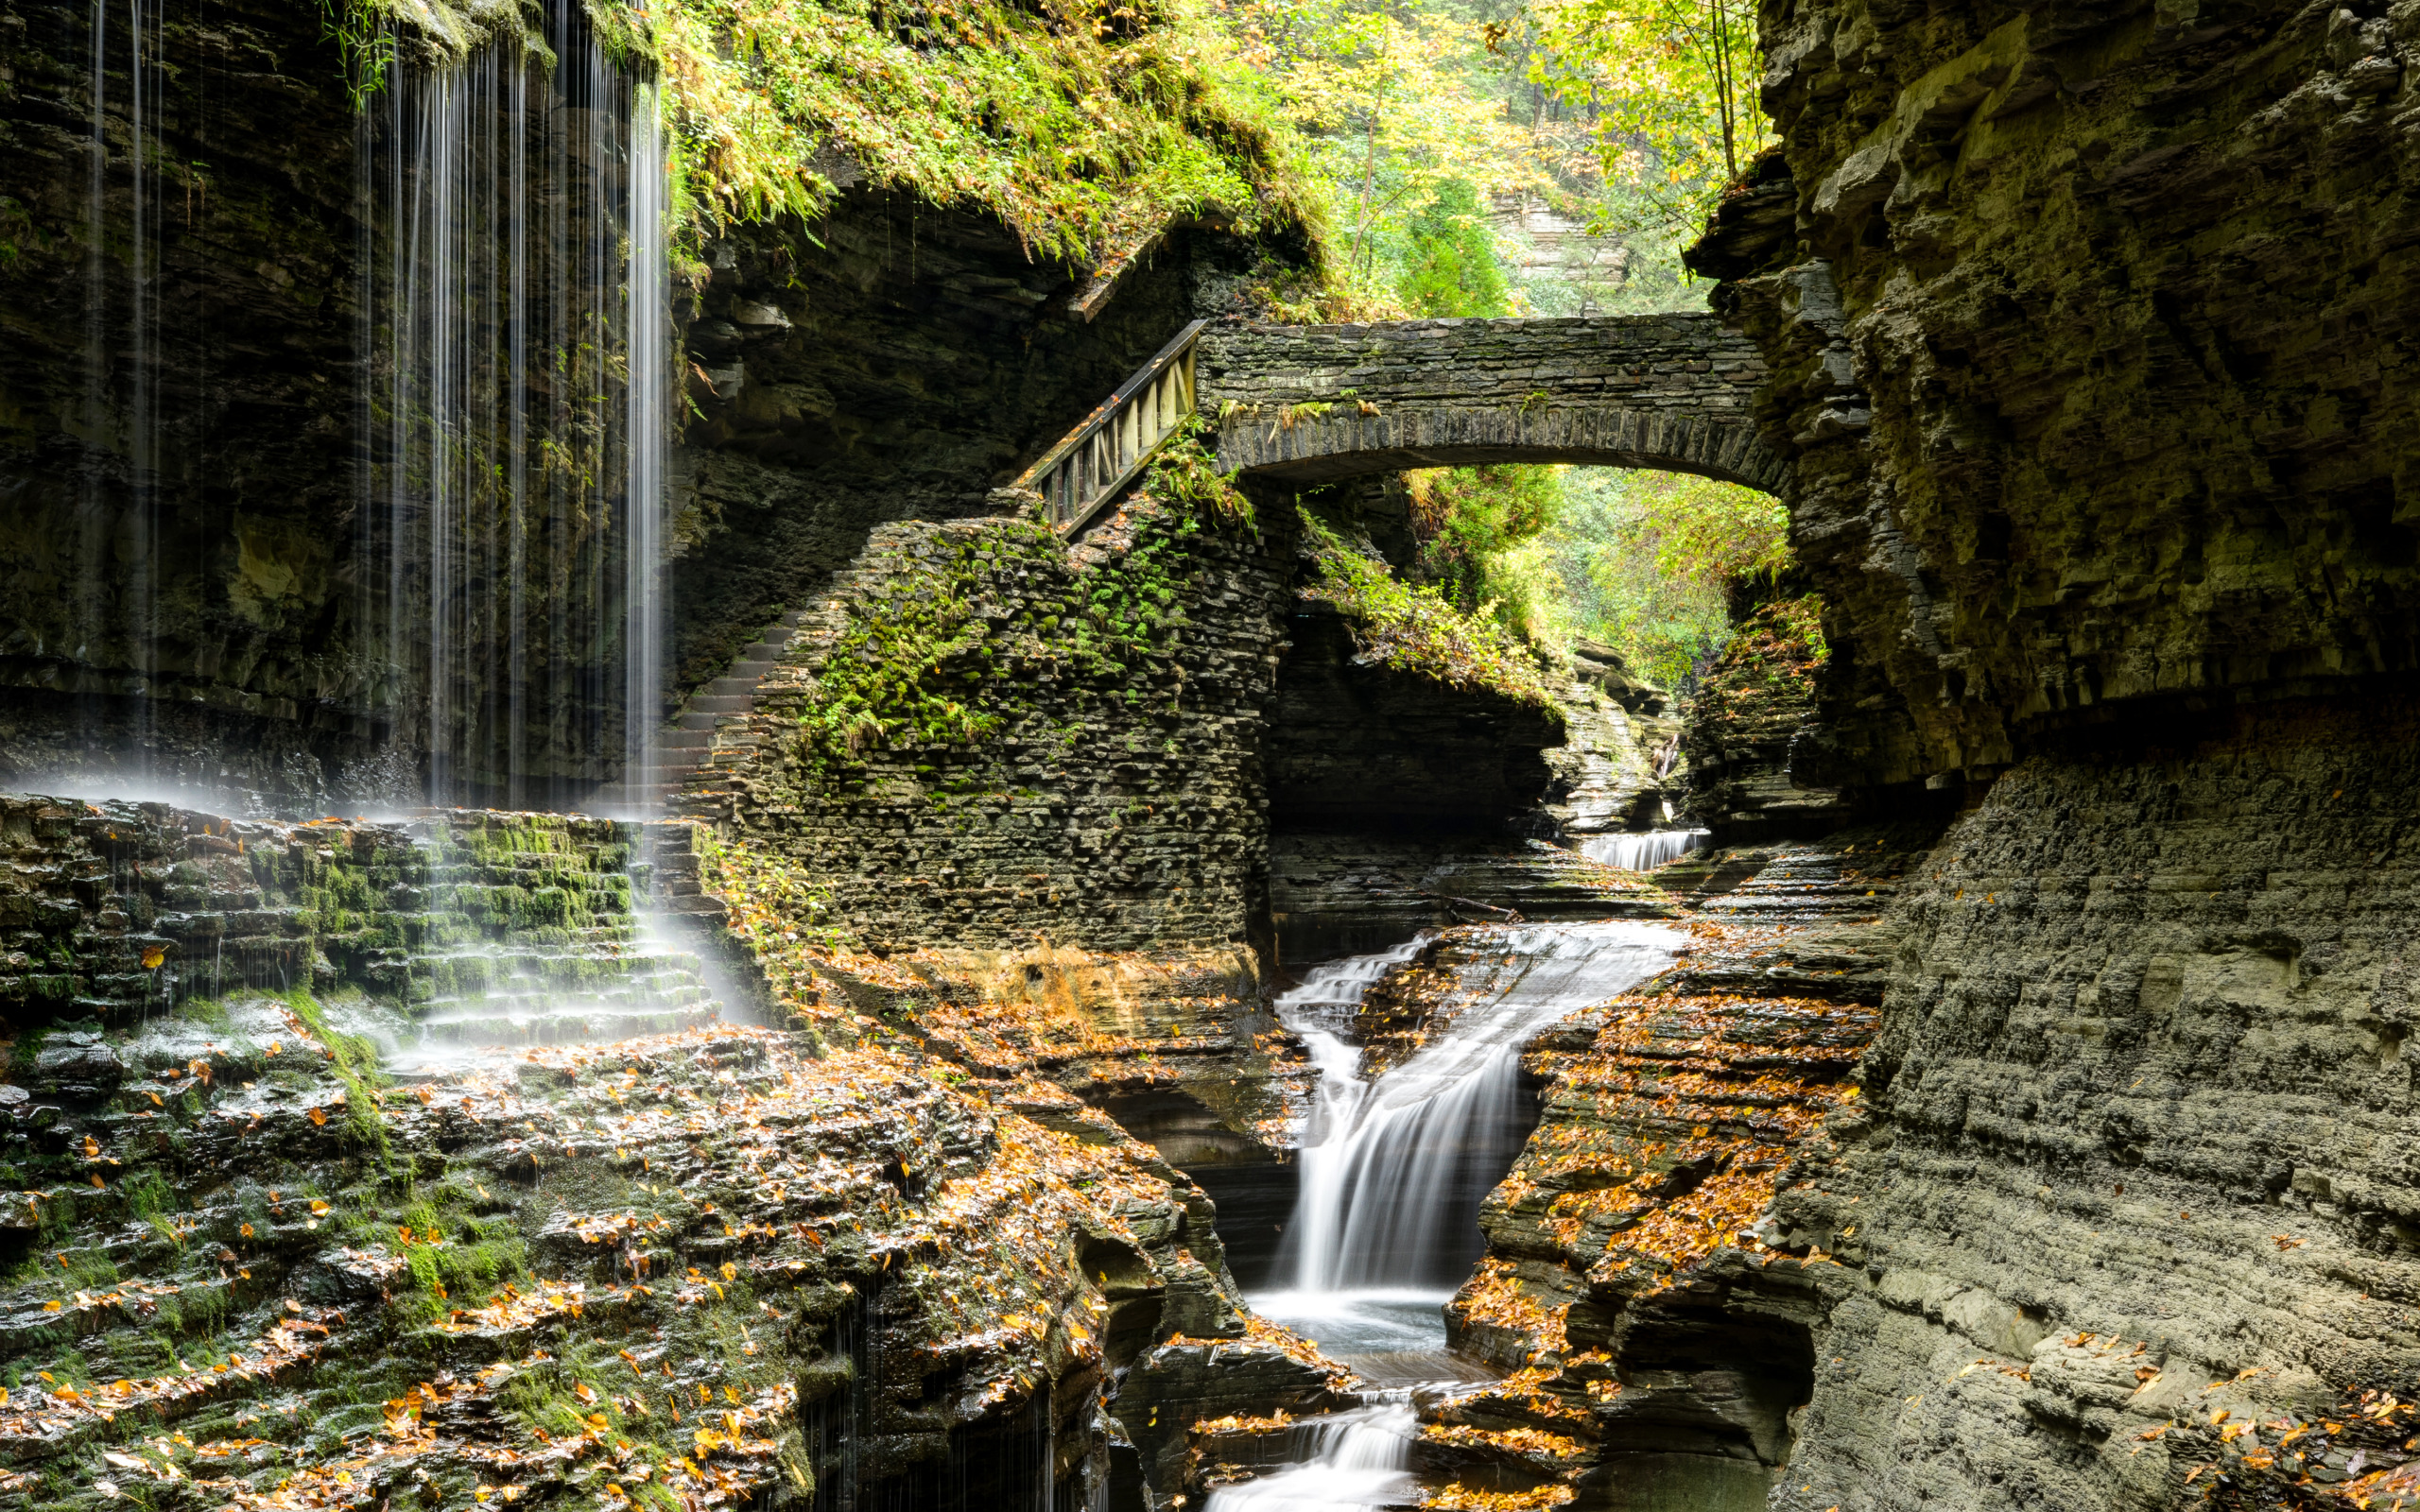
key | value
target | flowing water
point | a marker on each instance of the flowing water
(1392, 1172)
(1348, 1459)
(119, 537)
(1643, 852)
(515, 316)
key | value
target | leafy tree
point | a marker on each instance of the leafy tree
(1469, 520)
(1645, 561)
(1389, 106)
(1450, 265)
(1671, 84)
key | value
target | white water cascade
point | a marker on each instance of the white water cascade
(1643, 852)
(1350, 1459)
(515, 315)
(1392, 1172)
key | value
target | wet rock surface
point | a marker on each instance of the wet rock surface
(1337, 895)
(1656, 1332)
(274, 1250)
(111, 912)
(1351, 745)
(712, 1262)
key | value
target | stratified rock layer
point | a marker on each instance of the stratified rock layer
(2145, 1078)
(2089, 328)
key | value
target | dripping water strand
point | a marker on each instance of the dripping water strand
(515, 324)
(117, 611)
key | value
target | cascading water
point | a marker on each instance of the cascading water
(1349, 1459)
(514, 313)
(120, 523)
(1393, 1171)
(1643, 852)
(515, 316)
(642, 614)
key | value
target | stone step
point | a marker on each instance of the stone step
(688, 737)
(725, 686)
(737, 700)
(755, 662)
(619, 795)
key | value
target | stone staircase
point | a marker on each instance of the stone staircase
(690, 743)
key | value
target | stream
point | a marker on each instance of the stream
(1393, 1170)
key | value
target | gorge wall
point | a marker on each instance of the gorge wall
(2084, 325)
(274, 535)
(2088, 327)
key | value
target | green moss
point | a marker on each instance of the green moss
(957, 651)
(355, 1062)
(1416, 630)
(1085, 124)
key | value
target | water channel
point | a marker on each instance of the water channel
(1393, 1170)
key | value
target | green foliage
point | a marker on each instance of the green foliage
(1185, 473)
(1416, 629)
(886, 681)
(1645, 562)
(1670, 86)
(1450, 265)
(1780, 646)
(1391, 103)
(365, 44)
(943, 655)
(1085, 124)
(1384, 105)
(1468, 521)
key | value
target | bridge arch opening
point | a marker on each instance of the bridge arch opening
(1390, 795)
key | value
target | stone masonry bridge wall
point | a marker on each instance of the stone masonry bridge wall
(1312, 404)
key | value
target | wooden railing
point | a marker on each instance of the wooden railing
(1084, 473)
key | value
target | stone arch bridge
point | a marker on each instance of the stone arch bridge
(1313, 404)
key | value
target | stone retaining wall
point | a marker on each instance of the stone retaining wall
(1119, 803)
(111, 911)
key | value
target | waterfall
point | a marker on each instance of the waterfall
(649, 386)
(513, 311)
(1351, 1459)
(1643, 852)
(120, 515)
(1393, 1170)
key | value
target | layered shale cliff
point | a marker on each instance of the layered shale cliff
(2087, 327)
(353, 1164)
